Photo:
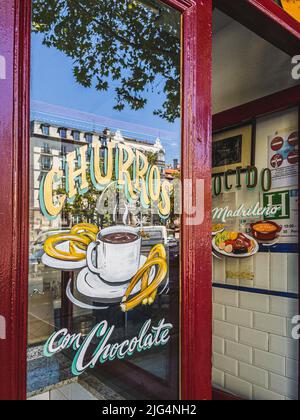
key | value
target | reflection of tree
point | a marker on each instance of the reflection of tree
(152, 158)
(117, 40)
(83, 209)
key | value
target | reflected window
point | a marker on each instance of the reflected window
(46, 163)
(89, 137)
(46, 149)
(76, 135)
(45, 129)
(62, 133)
(63, 150)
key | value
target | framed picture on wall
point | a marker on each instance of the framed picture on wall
(234, 147)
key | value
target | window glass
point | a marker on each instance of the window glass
(76, 135)
(62, 133)
(45, 129)
(104, 234)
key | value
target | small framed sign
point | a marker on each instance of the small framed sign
(234, 147)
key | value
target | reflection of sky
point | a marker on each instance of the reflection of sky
(57, 98)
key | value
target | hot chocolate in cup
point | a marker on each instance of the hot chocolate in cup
(115, 256)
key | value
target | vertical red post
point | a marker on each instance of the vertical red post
(14, 195)
(196, 306)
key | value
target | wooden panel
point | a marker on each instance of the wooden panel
(196, 244)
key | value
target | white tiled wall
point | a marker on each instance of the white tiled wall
(254, 355)
(275, 271)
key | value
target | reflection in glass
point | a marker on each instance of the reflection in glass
(105, 80)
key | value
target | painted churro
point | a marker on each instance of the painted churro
(79, 238)
(147, 295)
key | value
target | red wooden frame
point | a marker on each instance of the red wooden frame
(266, 19)
(299, 260)
(14, 163)
(196, 327)
(14, 204)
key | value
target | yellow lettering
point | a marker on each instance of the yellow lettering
(154, 183)
(100, 179)
(142, 166)
(73, 174)
(165, 203)
(50, 208)
(125, 163)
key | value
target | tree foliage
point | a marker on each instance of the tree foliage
(130, 46)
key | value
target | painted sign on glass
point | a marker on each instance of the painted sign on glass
(113, 271)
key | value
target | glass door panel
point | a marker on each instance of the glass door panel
(104, 230)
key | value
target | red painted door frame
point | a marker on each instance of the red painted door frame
(14, 204)
(196, 306)
(14, 195)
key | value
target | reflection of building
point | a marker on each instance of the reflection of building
(172, 172)
(49, 145)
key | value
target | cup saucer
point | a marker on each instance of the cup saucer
(92, 286)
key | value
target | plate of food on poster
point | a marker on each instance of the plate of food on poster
(235, 244)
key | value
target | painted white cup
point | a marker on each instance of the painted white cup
(115, 262)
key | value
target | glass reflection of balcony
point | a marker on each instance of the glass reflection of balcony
(46, 163)
(46, 149)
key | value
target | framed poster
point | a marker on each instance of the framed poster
(233, 147)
